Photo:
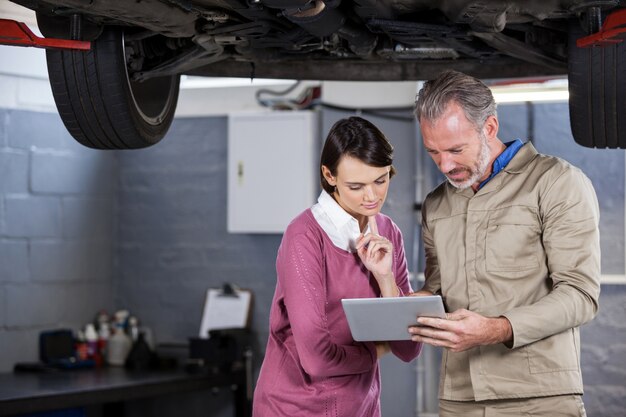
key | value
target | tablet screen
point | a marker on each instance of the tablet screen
(388, 318)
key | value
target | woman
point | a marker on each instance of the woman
(342, 247)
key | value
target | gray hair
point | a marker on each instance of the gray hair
(470, 93)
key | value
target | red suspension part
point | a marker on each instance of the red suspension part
(613, 31)
(18, 34)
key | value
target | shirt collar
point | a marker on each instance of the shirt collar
(526, 154)
(344, 223)
(503, 159)
(335, 212)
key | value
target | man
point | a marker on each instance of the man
(512, 245)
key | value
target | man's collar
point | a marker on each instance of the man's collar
(503, 160)
(507, 155)
(526, 154)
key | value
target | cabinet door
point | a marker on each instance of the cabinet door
(272, 169)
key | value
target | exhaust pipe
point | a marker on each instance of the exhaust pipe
(322, 19)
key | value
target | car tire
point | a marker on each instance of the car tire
(100, 105)
(597, 92)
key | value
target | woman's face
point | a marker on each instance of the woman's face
(361, 188)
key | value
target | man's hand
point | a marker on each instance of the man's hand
(420, 293)
(462, 330)
(382, 348)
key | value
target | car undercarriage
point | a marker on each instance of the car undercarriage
(150, 43)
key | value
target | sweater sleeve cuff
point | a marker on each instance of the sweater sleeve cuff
(371, 347)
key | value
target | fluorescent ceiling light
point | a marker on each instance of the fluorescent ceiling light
(552, 90)
(192, 82)
(526, 96)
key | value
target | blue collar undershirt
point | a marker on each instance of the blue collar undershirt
(503, 159)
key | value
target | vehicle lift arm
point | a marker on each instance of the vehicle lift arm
(18, 34)
(613, 31)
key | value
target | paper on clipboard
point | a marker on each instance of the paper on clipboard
(225, 311)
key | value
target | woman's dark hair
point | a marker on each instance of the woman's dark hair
(358, 138)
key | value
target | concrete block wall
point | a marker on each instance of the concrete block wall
(603, 356)
(173, 245)
(56, 231)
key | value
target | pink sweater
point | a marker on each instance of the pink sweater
(312, 366)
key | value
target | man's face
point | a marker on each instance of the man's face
(461, 153)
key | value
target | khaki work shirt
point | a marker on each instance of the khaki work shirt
(525, 246)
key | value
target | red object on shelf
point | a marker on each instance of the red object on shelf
(613, 31)
(18, 34)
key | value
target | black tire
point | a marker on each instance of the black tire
(99, 104)
(597, 93)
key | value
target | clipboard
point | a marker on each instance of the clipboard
(225, 308)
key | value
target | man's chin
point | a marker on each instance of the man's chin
(461, 185)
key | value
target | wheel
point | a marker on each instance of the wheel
(99, 103)
(597, 92)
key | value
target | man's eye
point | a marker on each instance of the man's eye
(455, 151)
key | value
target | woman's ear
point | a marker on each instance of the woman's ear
(328, 176)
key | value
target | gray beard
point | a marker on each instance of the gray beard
(479, 169)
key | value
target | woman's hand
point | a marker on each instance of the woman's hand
(376, 253)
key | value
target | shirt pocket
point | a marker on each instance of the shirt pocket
(513, 240)
(557, 353)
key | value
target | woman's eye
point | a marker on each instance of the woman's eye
(355, 187)
(380, 182)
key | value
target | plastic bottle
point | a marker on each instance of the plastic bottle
(91, 337)
(103, 340)
(82, 351)
(101, 318)
(121, 316)
(118, 347)
(133, 328)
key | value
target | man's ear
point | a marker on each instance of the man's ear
(330, 179)
(490, 128)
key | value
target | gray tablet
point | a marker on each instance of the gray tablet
(382, 319)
